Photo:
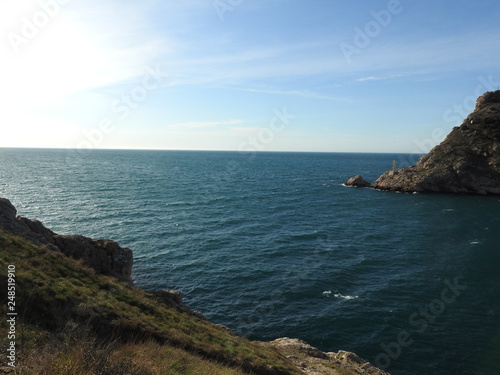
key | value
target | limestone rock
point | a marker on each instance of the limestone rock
(104, 256)
(312, 361)
(466, 162)
(358, 181)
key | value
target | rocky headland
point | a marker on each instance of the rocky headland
(78, 312)
(466, 162)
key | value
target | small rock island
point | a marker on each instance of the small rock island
(466, 162)
(357, 181)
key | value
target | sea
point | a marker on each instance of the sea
(275, 245)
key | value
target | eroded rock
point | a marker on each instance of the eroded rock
(312, 361)
(104, 256)
(466, 162)
(357, 181)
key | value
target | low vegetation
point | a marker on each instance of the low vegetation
(74, 321)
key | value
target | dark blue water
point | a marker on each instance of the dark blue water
(275, 245)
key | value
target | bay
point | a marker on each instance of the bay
(274, 245)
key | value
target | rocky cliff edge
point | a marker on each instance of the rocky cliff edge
(466, 162)
(104, 256)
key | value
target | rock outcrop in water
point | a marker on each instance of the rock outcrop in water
(357, 181)
(104, 256)
(466, 162)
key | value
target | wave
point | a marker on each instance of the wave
(338, 295)
(328, 293)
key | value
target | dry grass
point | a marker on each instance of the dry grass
(150, 336)
(77, 351)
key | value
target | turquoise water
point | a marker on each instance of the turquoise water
(274, 245)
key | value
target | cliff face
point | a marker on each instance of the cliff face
(467, 161)
(104, 256)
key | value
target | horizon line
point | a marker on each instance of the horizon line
(203, 150)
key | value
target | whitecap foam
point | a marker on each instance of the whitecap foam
(338, 295)
(475, 242)
(327, 293)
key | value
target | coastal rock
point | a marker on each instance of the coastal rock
(171, 297)
(357, 181)
(8, 212)
(312, 361)
(104, 256)
(466, 162)
(36, 228)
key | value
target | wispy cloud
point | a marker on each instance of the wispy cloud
(283, 64)
(111, 43)
(97, 51)
(417, 55)
(385, 77)
(301, 93)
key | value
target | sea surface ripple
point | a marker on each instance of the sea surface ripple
(274, 245)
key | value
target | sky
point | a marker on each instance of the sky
(243, 75)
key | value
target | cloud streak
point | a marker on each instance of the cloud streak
(287, 63)
(300, 93)
(96, 51)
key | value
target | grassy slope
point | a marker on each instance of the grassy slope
(74, 321)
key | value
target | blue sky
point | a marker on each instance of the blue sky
(266, 75)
